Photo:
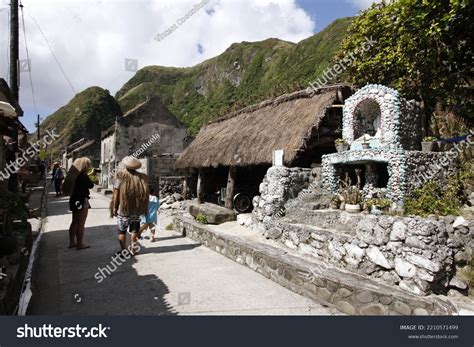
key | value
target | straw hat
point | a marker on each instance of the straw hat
(131, 163)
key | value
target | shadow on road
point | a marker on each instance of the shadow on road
(167, 249)
(89, 282)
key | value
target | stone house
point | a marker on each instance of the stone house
(82, 148)
(231, 155)
(150, 132)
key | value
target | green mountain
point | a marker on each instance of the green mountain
(86, 115)
(244, 74)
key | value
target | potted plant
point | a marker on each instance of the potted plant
(365, 144)
(351, 194)
(341, 145)
(352, 198)
(428, 144)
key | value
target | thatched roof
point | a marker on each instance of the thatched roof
(249, 136)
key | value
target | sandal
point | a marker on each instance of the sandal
(79, 248)
(72, 246)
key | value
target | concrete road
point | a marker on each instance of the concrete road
(172, 276)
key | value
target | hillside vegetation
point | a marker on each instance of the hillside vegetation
(244, 74)
(86, 115)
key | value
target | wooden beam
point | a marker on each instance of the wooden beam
(200, 186)
(229, 201)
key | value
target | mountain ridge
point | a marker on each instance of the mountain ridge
(244, 74)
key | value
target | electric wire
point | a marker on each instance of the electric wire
(54, 55)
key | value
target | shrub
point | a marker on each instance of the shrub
(201, 218)
(380, 203)
(440, 198)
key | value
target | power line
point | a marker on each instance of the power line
(28, 58)
(54, 55)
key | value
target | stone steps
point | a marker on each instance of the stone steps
(316, 233)
(328, 219)
(348, 292)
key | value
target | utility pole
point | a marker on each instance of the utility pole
(38, 120)
(14, 50)
(14, 77)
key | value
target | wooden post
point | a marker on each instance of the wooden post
(200, 186)
(229, 201)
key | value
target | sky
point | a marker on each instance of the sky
(104, 42)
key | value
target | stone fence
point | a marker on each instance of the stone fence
(420, 255)
(348, 292)
(279, 185)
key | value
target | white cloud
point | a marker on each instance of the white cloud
(92, 38)
(363, 4)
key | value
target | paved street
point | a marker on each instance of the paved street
(172, 276)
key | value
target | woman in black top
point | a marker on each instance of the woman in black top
(79, 203)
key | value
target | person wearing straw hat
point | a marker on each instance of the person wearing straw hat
(129, 201)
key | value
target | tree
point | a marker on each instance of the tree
(424, 49)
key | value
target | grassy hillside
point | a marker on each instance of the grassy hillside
(86, 115)
(244, 74)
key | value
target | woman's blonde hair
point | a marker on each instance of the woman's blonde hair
(82, 164)
(79, 165)
(132, 194)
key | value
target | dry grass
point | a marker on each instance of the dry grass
(249, 136)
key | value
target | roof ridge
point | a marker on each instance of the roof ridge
(141, 104)
(275, 101)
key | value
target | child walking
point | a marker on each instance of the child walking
(150, 220)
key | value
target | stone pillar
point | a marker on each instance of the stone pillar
(230, 188)
(200, 186)
(185, 186)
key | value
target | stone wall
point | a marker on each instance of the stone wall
(141, 125)
(418, 255)
(350, 293)
(171, 185)
(411, 133)
(278, 186)
(423, 166)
